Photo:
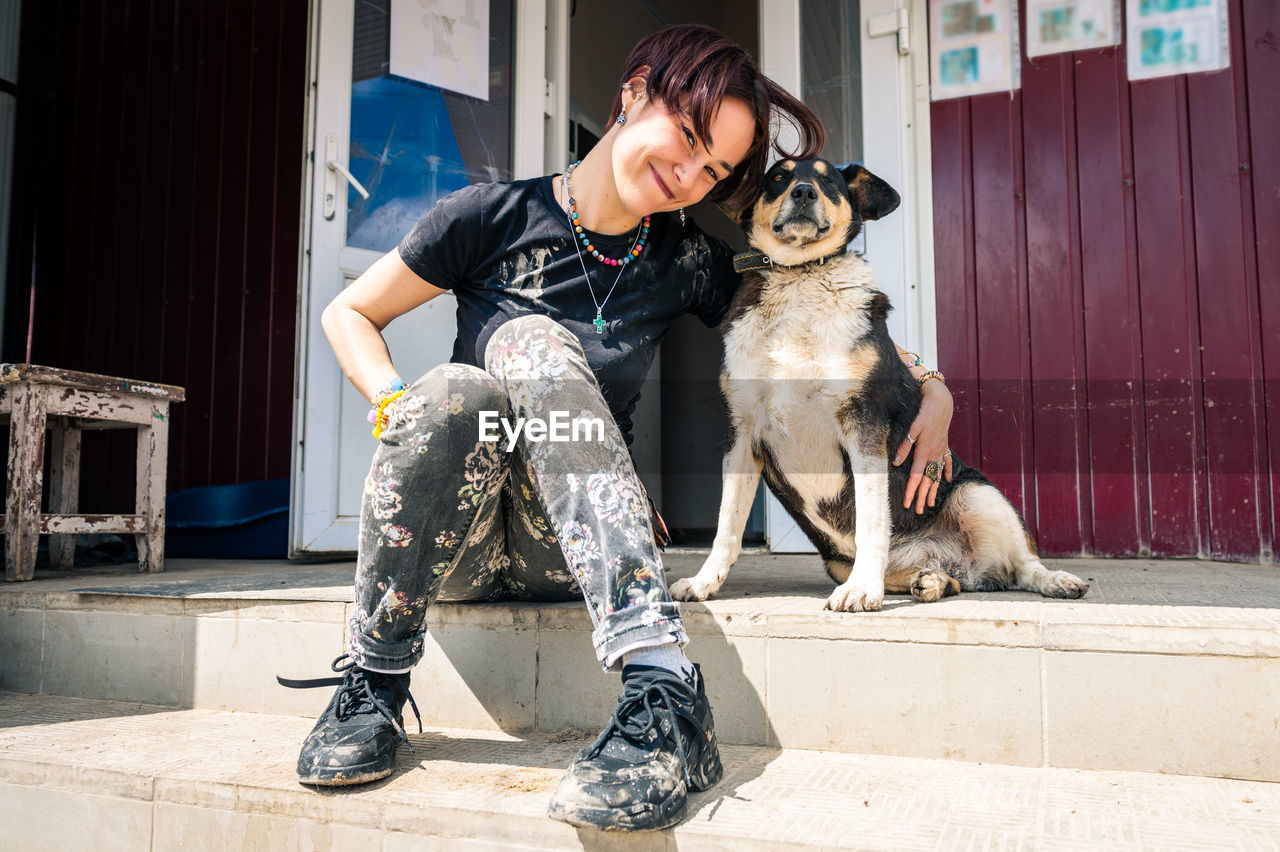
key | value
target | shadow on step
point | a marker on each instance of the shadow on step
(21, 710)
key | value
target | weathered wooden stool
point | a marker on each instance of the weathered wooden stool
(35, 399)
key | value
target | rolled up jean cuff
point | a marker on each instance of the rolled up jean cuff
(387, 657)
(611, 646)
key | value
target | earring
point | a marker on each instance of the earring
(681, 217)
(622, 115)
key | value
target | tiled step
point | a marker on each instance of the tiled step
(1164, 666)
(83, 774)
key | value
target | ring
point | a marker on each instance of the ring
(947, 453)
(911, 438)
(933, 470)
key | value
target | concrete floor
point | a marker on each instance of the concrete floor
(100, 774)
(760, 582)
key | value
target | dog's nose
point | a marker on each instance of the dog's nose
(804, 192)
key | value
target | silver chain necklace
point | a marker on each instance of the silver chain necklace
(598, 322)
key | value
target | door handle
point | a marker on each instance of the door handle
(333, 168)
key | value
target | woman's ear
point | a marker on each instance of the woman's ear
(637, 83)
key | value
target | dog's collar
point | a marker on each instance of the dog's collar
(750, 261)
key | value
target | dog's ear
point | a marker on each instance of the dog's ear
(872, 197)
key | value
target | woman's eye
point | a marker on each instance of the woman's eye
(712, 173)
(688, 136)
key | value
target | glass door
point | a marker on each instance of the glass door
(411, 101)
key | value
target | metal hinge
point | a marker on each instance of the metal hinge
(892, 23)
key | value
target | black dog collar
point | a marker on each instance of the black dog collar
(750, 261)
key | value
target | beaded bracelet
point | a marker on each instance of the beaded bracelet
(931, 374)
(915, 359)
(396, 384)
(379, 416)
(388, 394)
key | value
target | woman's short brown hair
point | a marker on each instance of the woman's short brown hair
(691, 68)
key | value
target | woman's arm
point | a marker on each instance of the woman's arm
(354, 320)
(930, 432)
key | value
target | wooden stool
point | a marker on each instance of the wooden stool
(33, 399)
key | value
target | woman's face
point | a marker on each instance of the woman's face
(659, 163)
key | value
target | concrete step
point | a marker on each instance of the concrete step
(85, 774)
(1164, 666)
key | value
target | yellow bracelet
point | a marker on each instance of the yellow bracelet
(932, 374)
(380, 414)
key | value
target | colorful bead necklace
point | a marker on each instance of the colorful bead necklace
(631, 255)
(636, 248)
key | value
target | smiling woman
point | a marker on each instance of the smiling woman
(662, 164)
(565, 285)
(697, 81)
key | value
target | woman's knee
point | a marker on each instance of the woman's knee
(529, 346)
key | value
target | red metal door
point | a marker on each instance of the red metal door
(1108, 296)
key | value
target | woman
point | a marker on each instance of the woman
(565, 286)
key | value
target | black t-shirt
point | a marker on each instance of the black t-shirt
(506, 250)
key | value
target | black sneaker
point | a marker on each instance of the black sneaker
(659, 745)
(355, 739)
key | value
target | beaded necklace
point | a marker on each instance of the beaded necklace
(636, 247)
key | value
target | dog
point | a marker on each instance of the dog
(819, 400)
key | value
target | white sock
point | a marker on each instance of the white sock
(668, 655)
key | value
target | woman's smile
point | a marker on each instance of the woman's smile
(662, 185)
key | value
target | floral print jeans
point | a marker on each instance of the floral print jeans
(448, 516)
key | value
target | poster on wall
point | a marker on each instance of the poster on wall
(1060, 26)
(443, 43)
(1176, 37)
(973, 47)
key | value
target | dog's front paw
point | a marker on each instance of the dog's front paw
(693, 589)
(1060, 584)
(850, 597)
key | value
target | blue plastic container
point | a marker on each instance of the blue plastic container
(249, 520)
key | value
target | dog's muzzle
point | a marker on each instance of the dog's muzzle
(802, 215)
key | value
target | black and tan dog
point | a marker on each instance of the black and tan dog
(819, 399)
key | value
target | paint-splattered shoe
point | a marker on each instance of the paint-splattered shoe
(659, 745)
(355, 739)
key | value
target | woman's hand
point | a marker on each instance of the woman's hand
(929, 430)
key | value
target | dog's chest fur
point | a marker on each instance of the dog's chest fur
(800, 334)
(800, 344)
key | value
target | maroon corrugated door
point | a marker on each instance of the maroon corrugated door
(1109, 300)
(159, 173)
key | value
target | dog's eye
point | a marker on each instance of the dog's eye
(777, 178)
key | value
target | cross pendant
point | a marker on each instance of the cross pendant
(598, 322)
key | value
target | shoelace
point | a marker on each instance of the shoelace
(358, 696)
(633, 725)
